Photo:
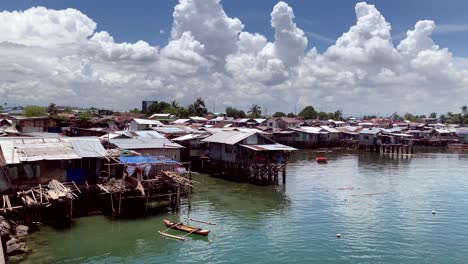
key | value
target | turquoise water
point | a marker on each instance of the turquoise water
(296, 223)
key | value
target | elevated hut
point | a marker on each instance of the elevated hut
(247, 155)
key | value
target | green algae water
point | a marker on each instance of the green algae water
(381, 206)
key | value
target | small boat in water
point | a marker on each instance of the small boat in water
(186, 228)
(321, 159)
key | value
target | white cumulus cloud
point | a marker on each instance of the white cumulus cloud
(58, 56)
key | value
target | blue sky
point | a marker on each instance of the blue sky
(322, 20)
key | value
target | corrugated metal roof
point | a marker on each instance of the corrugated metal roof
(310, 130)
(144, 143)
(146, 160)
(88, 147)
(230, 137)
(147, 122)
(148, 134)
(17, 150)
(198, 118)
(169, 130)
(260, 120)
(190, 137)
(41, 149)
(181, 121)
(330, 129)
(269, 147)
(370, 131)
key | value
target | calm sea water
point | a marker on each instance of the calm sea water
(296, 223)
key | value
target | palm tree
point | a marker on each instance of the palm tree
(255, 111)
(464, 109)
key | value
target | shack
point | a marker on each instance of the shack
(138, 124)
(149, 146)
(28, 162)
(283, 122)
(142, 184)
(34, 124)
(247, 155)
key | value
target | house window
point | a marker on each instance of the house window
(271, 123)
(366, 137)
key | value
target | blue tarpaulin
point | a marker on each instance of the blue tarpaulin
(146, 160)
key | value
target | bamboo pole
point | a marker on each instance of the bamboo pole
(171, 236)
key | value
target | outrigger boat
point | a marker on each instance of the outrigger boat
(186, 228)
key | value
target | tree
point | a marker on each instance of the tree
(157, 107)
(34, 110)
(135, 111)
(279, 114)
(409, 116)
(68, 110)
(308, 112)
(198, 108)
(85, 116)
(233, 112)
(443, 118)
(433, 115)
(291, 115)
(338, 115)
(52, 109)
(255, 111)
(464, 109)
(323, 116)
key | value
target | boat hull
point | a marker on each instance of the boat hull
(321, 159)
(186, 228)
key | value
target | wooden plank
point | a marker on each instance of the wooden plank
(53, 195)
(171, 236)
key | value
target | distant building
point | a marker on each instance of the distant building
(145, 105)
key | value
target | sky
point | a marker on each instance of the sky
(374, 57)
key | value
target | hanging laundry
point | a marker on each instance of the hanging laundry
(139, 171)
(131, 170)
(147, 170)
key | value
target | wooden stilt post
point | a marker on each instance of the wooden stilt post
(284, 174)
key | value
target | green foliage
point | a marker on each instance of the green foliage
(135, 111)
(85, 116)
(308, 112)
(68, 110)
(337, 115)
(233, 112)
(255, 111)
(410, 117)
(52, 109)
(323, 116)
(198, 108)
(279, 114)
(291, 115)
(157, 107)
(397, 117)
(34, 110)
(433, 115)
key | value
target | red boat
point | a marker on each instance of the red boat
(321, 159)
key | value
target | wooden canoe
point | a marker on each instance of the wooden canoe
(186, 228)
